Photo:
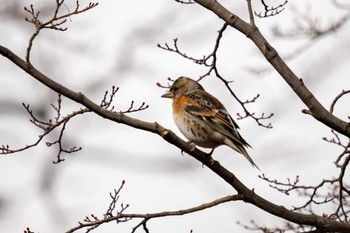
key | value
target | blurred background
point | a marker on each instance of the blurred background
(116, 44)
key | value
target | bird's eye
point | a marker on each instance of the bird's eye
(174, 89)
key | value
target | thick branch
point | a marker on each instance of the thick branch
(315, 107)
(248, 195)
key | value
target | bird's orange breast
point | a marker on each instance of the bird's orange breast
(181, 102)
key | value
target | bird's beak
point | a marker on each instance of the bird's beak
(168, 95)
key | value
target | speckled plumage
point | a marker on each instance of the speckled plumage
(203, 119)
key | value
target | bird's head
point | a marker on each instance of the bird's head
(181, 86)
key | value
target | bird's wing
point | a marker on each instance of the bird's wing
(206, 107)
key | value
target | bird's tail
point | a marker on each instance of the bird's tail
(240, 149)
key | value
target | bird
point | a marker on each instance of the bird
(203, 119)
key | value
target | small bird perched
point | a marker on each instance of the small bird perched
(203, 119)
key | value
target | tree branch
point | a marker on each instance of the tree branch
(211, 62)
(344, 92)
(248, 195)
(316, 109)
(48, 126)
(55, 23)
(121, 216)
(271, 10)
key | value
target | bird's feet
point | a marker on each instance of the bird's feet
(193, 146)
(211, 152)
(212, 161)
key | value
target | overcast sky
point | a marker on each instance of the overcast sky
(116, 44)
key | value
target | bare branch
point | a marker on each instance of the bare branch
(185, 2)
(316, 109)
(60, 145)
(306, 25)
(344, 92)
(211, 62)
(334, 190)
(27, 230)
(271, 10)
(207, 60)
(115, 197)
(336, 140)
(93, 222)
(48, 126)
(131, 109)
(175, 49)
(284, 188)
(247, 194)
(312, 193)
(287, 227)
(56, 22)
(167, 86)
(250, 11)
(108, 99)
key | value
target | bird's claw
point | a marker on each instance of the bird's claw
(192, 145)
(212, 161)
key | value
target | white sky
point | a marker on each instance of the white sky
(115, 44)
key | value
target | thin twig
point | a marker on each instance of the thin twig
(271, 10)
(344, 92)
(250, 11)
(55, 23)
(211, 62)
(147, 217)
(48, 126)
